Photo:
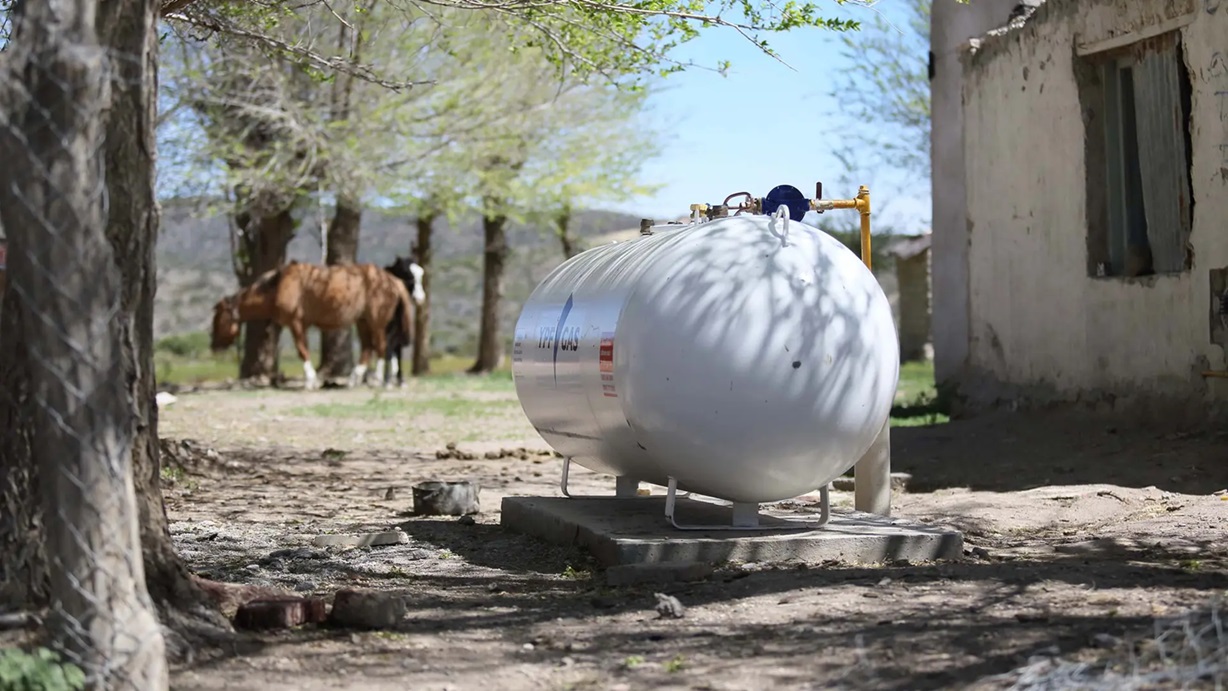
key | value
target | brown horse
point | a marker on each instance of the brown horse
(298, 296)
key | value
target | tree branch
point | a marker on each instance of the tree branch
(362, 72)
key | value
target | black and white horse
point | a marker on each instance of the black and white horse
(398, 339)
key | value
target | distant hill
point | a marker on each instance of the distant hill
(194, 265)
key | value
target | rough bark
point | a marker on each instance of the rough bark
(268, 235)
(423, 254)
(23, 570)
(494, 261)
(337, 346)
(129, 28)
(86, 420)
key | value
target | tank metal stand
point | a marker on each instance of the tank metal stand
(746, 514)
(625, 487)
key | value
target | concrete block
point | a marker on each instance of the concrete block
(618, 531)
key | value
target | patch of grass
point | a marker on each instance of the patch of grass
(633, 661)
(575, 574)
(916, 379)
(917, 401)
(190, 344)
(175, 369)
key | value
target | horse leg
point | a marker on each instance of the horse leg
(379, 371)
(379, 347)
(300, 344)
(359, 375)
(396, 365)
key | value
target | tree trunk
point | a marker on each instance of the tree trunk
(129, 27)
(23, 570)
(490, 346)
(422, 316)
(562, 225)
(337, 346)
(268, 238)
(86, 420)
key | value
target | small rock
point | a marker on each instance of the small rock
(980, 553)
(442, 498)
(603, 602)
(669, 606)
(390, 537)
(304, 586)
(1104, 640)
(466, 520)
(280, 613)
(366, 609)
(568, 661)
(528, 646)
(659, 572)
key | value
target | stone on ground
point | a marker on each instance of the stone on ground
(366, 609)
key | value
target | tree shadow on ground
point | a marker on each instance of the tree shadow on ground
(1003, 452)
(938, 637)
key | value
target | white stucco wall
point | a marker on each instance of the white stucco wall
(1036, 318)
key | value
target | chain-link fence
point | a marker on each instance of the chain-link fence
(69, 533)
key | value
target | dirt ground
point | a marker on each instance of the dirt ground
(1079, 535)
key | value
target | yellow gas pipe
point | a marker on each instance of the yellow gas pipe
(862, 203)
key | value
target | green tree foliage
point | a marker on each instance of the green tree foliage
(620, 41)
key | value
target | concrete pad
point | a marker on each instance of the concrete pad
(636, 531)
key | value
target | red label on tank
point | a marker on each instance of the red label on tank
(605, 360)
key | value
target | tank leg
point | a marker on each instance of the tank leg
(745, 514)
(626, 486)
(872, 476)
(563, 481)
(825, 504)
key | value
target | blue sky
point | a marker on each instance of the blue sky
(763, 124)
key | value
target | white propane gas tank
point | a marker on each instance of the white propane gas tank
(749, 361)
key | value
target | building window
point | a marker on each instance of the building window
(1136, 105)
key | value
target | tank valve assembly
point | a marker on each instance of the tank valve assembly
(797, 204)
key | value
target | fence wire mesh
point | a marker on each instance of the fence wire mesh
(68, 513)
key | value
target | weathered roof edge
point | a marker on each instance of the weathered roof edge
(909, 246)
(1029, 14)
